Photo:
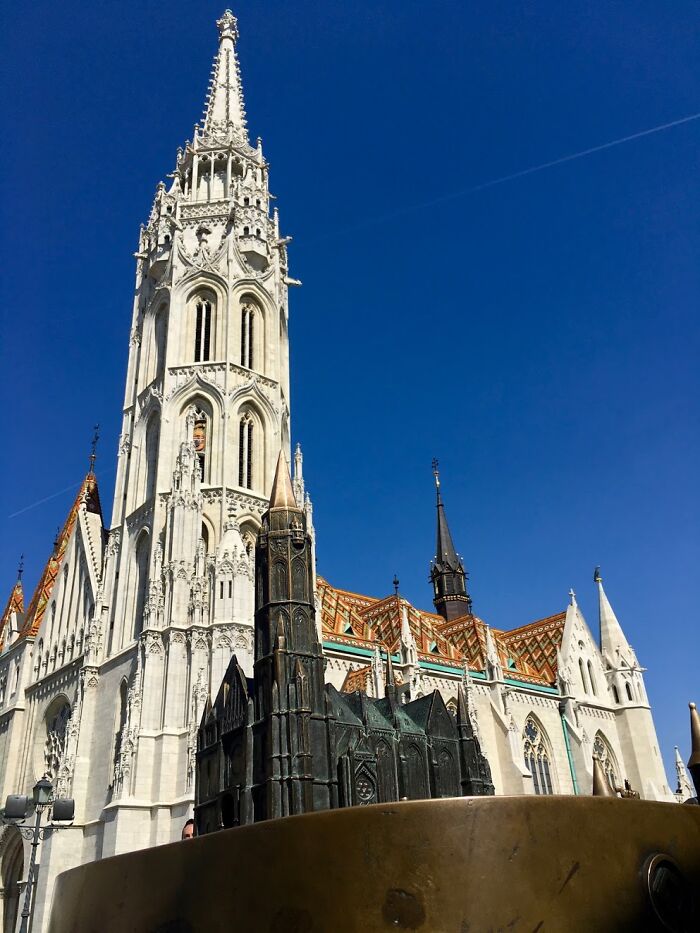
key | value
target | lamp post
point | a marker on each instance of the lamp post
(16, 809)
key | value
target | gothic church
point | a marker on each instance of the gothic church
(106, 669)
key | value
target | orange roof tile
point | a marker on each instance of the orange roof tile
(14, 604)
(89, 494)
(528, 652)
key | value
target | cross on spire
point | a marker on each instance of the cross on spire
(436, 474)
(93, 447)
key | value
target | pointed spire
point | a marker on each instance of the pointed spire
(224, 110)
(694, 760)
(683, 791)
(282, 495)
(298, 481)
(93, 448)
(463, 717)
(447, 572)
(601, 785)
(445, 552)
(613, 643)
(390, 683)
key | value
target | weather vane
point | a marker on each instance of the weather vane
(436, 472)
(20, 569)
(395, 581)
(93, 451)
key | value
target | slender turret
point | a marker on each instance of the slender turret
(447, 573)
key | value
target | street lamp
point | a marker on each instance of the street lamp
(16, 809)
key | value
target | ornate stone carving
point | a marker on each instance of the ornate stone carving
(153, 643)
(90, 676)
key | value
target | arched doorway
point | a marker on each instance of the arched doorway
(11, 871)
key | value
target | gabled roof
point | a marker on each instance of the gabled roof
(88, 496)
(15, 605)
(537, 644)
(528, 653)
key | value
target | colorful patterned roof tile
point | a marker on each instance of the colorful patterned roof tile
(15, 604)
(88, 496)
(537, 645)
(528, 653)
(357, 680)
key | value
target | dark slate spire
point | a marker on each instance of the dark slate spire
(447, 572)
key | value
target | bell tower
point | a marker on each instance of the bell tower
(206, 407)
(206, 414)
(447, 573)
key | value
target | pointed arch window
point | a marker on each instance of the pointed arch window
(160, 332)
(628, 691)
(152, 441)
(582, 671)
(202, 331)
(199, 440)
(246, 437)
(247, 336)
(591, 679)
(616, 695)
(140, 570)
(537, 759)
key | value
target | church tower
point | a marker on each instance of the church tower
(206, 407)
(291, 772)
(447, 573)
(206, 414)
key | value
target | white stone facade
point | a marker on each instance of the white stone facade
(103, 680)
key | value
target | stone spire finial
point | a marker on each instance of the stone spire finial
(227, 26)
(224, 111)
(613, 643)
(683, 791)
(282, 495)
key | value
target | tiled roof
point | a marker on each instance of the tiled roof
(528, 653)
(89, 494)
(537, 644)
(15, 604)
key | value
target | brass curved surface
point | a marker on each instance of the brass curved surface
(535, 864)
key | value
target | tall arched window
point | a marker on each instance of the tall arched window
(56, 724)
(202, 330)
(120, 727)
(247, 336)
(199, 439)
(245, 451)
(628, 691)
(160, 331)
(616, 695)
(582, 671)
(591, 679)
(140, 576)
(152, 438)
(537, 759)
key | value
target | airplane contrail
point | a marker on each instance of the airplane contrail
(453, 195)
(38, 502)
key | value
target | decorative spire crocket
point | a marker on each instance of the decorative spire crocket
(447, 573)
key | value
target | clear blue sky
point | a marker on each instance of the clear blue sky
(539, 336)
